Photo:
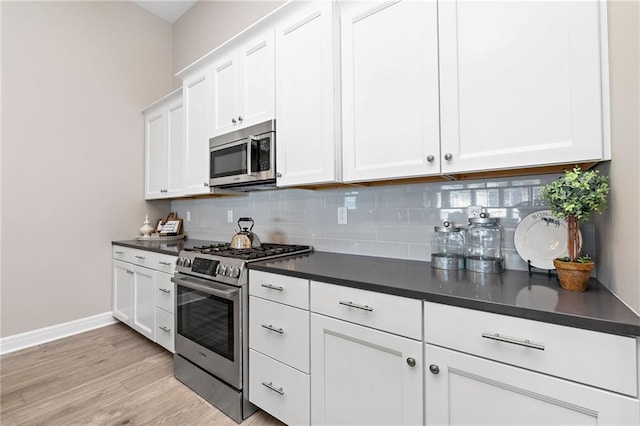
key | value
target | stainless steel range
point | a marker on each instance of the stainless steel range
(211, 340)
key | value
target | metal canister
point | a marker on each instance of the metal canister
(447, 247)
(484, 244)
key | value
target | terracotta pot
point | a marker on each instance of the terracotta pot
(573, 276)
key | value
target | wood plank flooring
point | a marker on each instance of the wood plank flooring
(108, 376)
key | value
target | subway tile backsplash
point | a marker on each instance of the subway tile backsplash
(390, 221)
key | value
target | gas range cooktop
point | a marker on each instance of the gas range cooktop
(266, 250)
(223, 263)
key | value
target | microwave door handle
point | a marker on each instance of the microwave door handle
(249, 148)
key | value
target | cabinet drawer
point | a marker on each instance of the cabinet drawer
(135, 256)
(119, 252)
(280, 288)
(165, 263)
(165, 291)
(165, 332)
(280, 331)
(603, 360)
(278, 389)
(398, 315)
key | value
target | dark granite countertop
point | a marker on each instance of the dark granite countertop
(172, 248)
(515, 293)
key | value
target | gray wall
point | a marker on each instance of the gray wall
(619, 227)
(75, 76)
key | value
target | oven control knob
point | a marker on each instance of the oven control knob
(222, 269)
(187, 262)
(180, 261)
(235, 273)
(228, 271)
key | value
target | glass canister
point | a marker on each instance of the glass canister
(484, 244)
(447, 247)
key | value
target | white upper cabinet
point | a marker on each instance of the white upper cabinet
(520, 83)
(197, 103)
(164, 147)
(307, 87)
(390, 113)
(243, 83)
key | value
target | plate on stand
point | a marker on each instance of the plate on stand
(541, 237)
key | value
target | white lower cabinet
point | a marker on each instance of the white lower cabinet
(362, 376)
(143, 296)
(485, 368)
(463, 389)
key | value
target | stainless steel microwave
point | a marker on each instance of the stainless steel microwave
(244, 159)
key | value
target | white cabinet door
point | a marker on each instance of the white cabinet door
(144, 306)
(197, 104)
(390, 117)
(164, 147)
(122, 291)
(463, 389)
(363, 376)
(156, 153)
(257, 83)
(243, 84)
(521, 83)
(175, 132)
(225, 94)
(306, 91)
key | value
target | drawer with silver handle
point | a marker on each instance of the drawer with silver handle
(165, 329)
(598, 359)
(280, 390)
(279, 331)
(395, 314)
(165, 263)
(165, 291)
(280, 288)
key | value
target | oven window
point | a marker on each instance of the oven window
(228, 161)
(206, 320)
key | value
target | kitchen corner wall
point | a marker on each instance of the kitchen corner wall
(75, 78)
(392, 221)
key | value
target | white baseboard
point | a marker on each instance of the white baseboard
(55, 332)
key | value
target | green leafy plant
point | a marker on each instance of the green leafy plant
(574, 197)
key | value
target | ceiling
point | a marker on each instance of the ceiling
(169, 10)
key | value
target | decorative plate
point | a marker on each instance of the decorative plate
(541, 237)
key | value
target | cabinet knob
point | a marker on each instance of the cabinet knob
(240, 118)
(233, 120)
(448, 156)
(411, 362)
(434, 369)
(206, 183)
(430, 158)
(279, 175)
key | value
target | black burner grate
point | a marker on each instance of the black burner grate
(265, 250)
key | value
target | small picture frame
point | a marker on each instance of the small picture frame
(171, 227)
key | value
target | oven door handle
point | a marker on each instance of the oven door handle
(225, 292)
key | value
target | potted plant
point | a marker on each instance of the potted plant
(574, 197)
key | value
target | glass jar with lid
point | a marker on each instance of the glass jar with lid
(447, 247)
(484, 244)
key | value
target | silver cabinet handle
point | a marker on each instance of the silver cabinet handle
(164, 290)
(233, 120)
(129, 272)
(526, 343)
(411, 362)
(448, 156)
(272, 328)
(165, 263)
(240, 118)
(272, 287)
(353, 305)
(119, 252)
(165, 329)
(434, 369)
(273, 388)
(140, 257)
(278, 175)
(430, 158)
(205, 184)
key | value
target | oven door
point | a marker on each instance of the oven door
(208, 328)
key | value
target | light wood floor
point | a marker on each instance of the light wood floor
(108, 376)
